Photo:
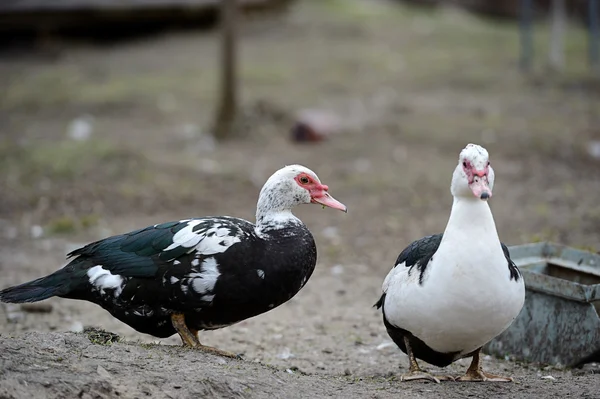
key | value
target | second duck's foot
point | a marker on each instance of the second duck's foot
(480, 375)
(216, 351)
(422, 375)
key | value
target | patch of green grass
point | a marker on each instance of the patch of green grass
(61, 160)
(148, 345)
(69, 224)
(88, 221)
(63, 86)
(444, 43)
(545, 235)
(270, 74)
(98, 336)
(357, 10)
(62, 225)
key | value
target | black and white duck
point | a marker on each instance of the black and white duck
(196, 274)
(449, 294)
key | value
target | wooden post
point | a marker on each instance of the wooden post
(525, 22)
(227, 109)
(594, 35)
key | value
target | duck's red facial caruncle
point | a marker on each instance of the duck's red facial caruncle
(318, 192)
(477, 175)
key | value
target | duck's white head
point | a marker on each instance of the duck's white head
(473, 175)
(292, 186)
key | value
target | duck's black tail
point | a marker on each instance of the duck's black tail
(60, 283)
(33, 291)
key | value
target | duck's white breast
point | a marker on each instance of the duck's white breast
(466, 299)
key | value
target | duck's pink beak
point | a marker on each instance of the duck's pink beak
(479, 185)
(321, 196)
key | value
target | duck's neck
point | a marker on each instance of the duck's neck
(471, 221)
(273, 214)
(275, 219)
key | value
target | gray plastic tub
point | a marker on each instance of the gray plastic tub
(559, 323)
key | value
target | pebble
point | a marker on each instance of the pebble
(593, 148)
(81, 128)
(337, 270)
(286, 354)
(384, 345)
(76, 327)
(37, 231)
(15, 317)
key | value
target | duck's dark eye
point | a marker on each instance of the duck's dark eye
(489, 163)
(304, 180)
(464, 164)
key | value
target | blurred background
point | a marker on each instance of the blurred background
(119, 114)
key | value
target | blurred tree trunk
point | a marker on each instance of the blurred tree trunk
(227, 110)
(556, 55)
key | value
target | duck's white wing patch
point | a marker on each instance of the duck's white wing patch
(102, 279)
(217, 240)
(206, 236)
(203, 281)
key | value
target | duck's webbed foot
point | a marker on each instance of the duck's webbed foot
(416, 373)
(423, 375)
(189, 337)
(475, 373)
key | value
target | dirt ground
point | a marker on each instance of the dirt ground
(410, 87)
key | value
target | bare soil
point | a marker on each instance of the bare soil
(411, 88)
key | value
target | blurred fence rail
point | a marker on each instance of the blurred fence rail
(51, 16)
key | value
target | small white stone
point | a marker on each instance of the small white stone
(548, 377)
(76, 327)
(593, 148)
(15, 317)
(337, 270)
(80, 129)
(384, 345)
(37, 231)
(286, 354)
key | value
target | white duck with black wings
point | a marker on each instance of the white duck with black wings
(196, 274)
(449, 294)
